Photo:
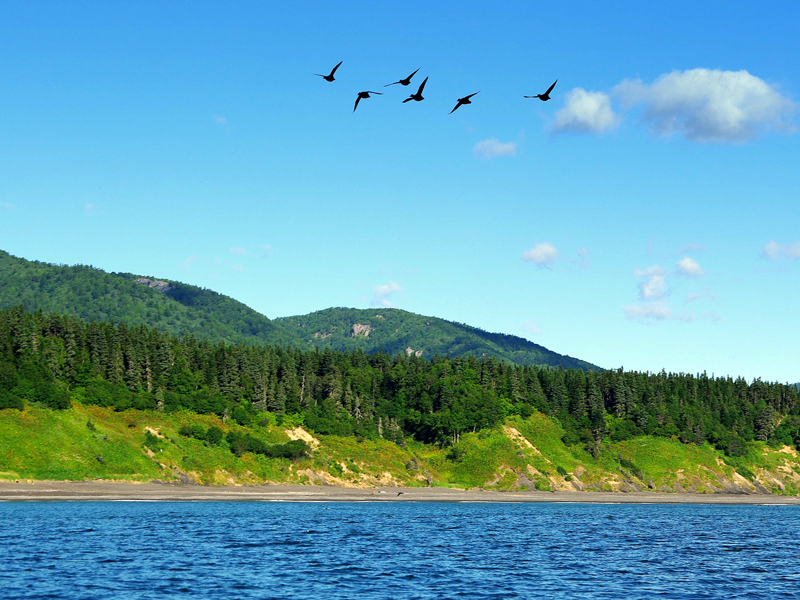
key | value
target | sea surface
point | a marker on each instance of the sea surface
(243, 550)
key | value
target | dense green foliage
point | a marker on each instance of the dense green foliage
(393, 331)
(244, 442)
(54, 359)
(94, 295)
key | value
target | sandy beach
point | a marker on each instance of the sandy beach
(149, 492)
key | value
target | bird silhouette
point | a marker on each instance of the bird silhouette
(546, 96)
(330, 77)
(464, 100)
(364, 95)
(418, 96)
(403, 82)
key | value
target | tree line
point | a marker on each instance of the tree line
(54, 360)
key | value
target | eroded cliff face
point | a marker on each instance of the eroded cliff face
(360, 329)
(157, 284)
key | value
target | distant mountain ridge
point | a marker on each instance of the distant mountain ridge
(94, 295)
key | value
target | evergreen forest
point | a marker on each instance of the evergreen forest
(55, 360)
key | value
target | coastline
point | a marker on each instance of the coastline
(154, 492)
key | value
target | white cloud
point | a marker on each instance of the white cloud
(775, 251)
(772, 251)
(586, 112)
(655, 311)
(190, 261)
(6, 205)
(692, 296)
(655, 288)
(493, 148)
(88, 208)
(689, 267)
(266, 250)
(660, 311)
(649, 271)
(542, 255)
(709, 105)
(381, 294)
(532, 328)
(219, 120)
(237, 251)
(238, 268)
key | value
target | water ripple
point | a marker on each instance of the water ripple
(107, 550)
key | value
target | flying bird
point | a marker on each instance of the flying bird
(364, 95)
(403, 82)
(330, 77)
(464, 100)
(418, 96)
(546, 96)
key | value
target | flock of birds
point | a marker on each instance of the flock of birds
(417, 97)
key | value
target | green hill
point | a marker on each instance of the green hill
(93, 295)
(394, 330)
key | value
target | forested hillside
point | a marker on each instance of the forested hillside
(393, 330)
(53, 360)
(94, 295)
(177, 308)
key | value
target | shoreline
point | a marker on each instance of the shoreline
(68, 491)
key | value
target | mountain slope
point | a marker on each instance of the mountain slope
(93, 295)
(394, 330)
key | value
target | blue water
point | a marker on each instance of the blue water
(406, 550)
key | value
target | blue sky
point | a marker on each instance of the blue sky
(646, 217)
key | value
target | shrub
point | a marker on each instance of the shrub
(624, 430)
(90, 425)
(561, 470)
(151, 441)
(198, 431)
(10, 400)
(455, 454)
(185, 431)
(734, 445)
(244, 442)
(56, 397)
(214, 435)
(570, 438)
(268, 419)
(241, 416)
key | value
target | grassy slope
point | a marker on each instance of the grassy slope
(525, 453)
(395, 330)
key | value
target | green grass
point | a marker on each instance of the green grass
(41, 444)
